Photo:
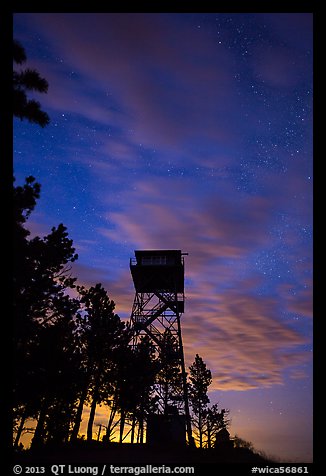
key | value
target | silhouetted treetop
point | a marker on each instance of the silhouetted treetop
(25, 199)
(19, 54)
(23, 81)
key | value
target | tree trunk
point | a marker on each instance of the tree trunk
(20, 429)
(165, 398)
(140, 433)
(78, 419)
(209, 435)
(200, 431)
(141, 424)
(122, 424)
(92, 416)
(109, 428)
(133, 426)
(39, 430)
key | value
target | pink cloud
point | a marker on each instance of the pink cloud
(239, 333)
(69, 95)
(163, 91)
(167, 213)
(118, 284)
(239, 336)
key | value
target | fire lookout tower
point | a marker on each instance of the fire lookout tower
(158, 277)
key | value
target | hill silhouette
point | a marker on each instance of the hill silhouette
(126, 454)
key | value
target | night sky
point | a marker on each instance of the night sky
(190, 131)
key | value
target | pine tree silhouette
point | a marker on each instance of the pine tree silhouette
(25, 81)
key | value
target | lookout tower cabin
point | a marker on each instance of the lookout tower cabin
(158, 271)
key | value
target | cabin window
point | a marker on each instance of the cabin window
(153, 260)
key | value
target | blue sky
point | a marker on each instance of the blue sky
(192, 132)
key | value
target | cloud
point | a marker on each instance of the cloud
(241, 338)
(237, 330)
(203, 218)
(154, 88)
(118, 283)
(298, 297)
(178, 96)
(75, 94)
(187, 107)
(238, 334)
